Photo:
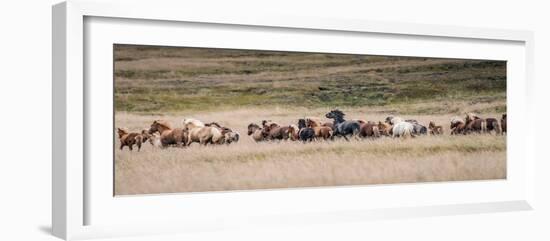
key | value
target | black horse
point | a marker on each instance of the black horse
(305, 133)
(343, 127)
(418, 128)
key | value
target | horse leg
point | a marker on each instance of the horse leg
(345, 137)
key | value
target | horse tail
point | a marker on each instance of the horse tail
(356, 129)
(376, 131)
(408, 131)
(483, 126)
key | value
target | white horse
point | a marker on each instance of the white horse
(198, 132)
(401, 128)
(393, 120)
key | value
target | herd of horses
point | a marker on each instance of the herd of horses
(162, 135)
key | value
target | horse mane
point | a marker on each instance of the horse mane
(194, 123)
(314, 121)
(214, 124)
(253, 125)
(163, 123)
(394, 120)
(457, 120)
(471, 116)
(338, 112)
(122, 131)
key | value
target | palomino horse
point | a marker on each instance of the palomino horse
(342, 127)
(168, 136)
(229, 135)
(256, 132)
(129, 139)
(434, 129)
(320, 131)
(503, 123)
(198, 132)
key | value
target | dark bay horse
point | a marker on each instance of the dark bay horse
(342, 127)
(305, 133)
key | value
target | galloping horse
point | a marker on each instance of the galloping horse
(320, 131)
(229, 136)
(475, 124)
(168, 136)
(369, 129)
(256, 132)
(458, 126)
(129, 139)
(401, 128)
(198, 132)
(305, 133)
(435, 130)
(276, 132)
(385, 128)
(342, 127)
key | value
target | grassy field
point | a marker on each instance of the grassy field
(235, 88)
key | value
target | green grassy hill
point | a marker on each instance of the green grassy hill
(164, 79)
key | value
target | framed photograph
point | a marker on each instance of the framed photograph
(178, 121)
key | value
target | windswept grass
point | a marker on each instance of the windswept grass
(249, 165)
(238, 87)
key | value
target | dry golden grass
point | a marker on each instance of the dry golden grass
(249, 165)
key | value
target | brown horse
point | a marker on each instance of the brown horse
(320, 131)
(369, 129)
(434, 129)
(276, 132)
(168, 136)
(129, 139)
(503, 124)
(385, 129)
(475, 124)
(458, 126)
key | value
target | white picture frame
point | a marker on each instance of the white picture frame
(78, 196)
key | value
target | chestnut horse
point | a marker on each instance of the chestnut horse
(434, 129)
(320, 131)
(385, 128)
(168, 136)
(369, 129)
(129, 139)
(458, 126)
